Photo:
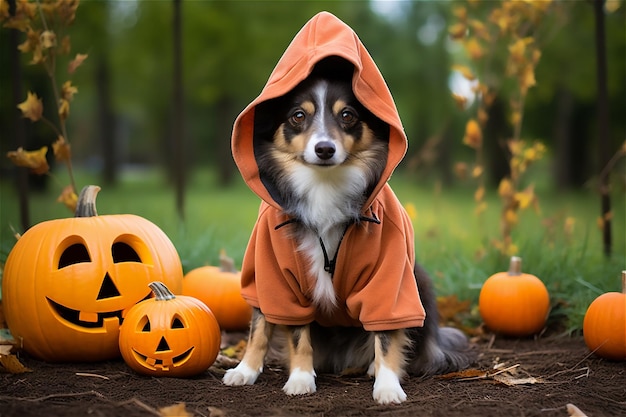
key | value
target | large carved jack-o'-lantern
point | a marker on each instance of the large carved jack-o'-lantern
(176, 336)
(68, 283)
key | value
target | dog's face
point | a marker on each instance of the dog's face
(324, 125)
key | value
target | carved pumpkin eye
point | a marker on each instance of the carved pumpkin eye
(144, 325)
(74, 254)
(177, 323)
(123, 252)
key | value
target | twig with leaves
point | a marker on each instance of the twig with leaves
(514, 24)
(44, 22)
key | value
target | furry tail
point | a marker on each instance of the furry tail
(435, 349)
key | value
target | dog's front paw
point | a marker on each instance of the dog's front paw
(389, 395)
(300, 382)
(242, 374)
(387, 389)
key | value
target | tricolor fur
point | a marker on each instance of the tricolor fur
(321, 153)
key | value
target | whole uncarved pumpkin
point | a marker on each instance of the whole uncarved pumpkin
(68, 283)
(219, 287)
(514, 303)
(604, 326)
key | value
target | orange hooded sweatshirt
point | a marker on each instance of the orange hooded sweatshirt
(373, 276)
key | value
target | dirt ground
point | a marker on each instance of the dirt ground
(544, 375)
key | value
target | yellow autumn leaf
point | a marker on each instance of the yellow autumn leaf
(460, 13)
(480, 29)
(479, 194)
(62, 150)
(511, 249)
(505, 189)
(482, 115)
(568, 225)
(34, 160)
(457, 31)
(176, 410)
(517, 50)
(474, 48)
(69, 198)
(31, 43)
(76, 62)
(48, 39)
(480, 208)
(68, 91)
(465, 71)
(477, 171)
(527, 78)
(515, 146)
(9, 362)
(65, 46)
(32, 107)
(524, 198)
(411, 211)
(64, 109)
(460, 101)
(510, 217)
(473, 135)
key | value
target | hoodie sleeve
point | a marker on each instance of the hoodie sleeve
(270, 257)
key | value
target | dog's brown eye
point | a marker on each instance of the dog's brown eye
(297, 118)
(348, 117)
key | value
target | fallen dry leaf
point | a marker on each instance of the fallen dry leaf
(574, 411)
(9, 362)
(216, 412)
(176, 410)
(511, 380)
(465, 374)
(450, 307)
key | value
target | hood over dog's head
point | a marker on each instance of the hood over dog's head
(328, 39)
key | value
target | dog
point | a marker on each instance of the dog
(322, 153)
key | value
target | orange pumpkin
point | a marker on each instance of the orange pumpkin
(604, 326)
(220, 289)
(514, 303)
(169, 335)
(68, 283)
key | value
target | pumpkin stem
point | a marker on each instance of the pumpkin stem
(623, 282)
(86, 204)
(515, 266)
(226, 263)
(161, 292)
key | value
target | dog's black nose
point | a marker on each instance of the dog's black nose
(325, 150)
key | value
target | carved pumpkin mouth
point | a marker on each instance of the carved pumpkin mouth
(163, 364)
(88, 320)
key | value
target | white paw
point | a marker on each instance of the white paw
(242, 374)
(387, 389)
(300, 382)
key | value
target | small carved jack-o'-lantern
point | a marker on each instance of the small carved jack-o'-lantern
(68, 283)
(169, 335)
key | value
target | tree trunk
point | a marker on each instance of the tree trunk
(20, 136)
(225, 116)
(496, 134)
(106, 120)
(177, 137)
(603, 125)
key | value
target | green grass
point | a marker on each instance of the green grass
(451, 242)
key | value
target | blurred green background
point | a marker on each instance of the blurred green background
(123, 134)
